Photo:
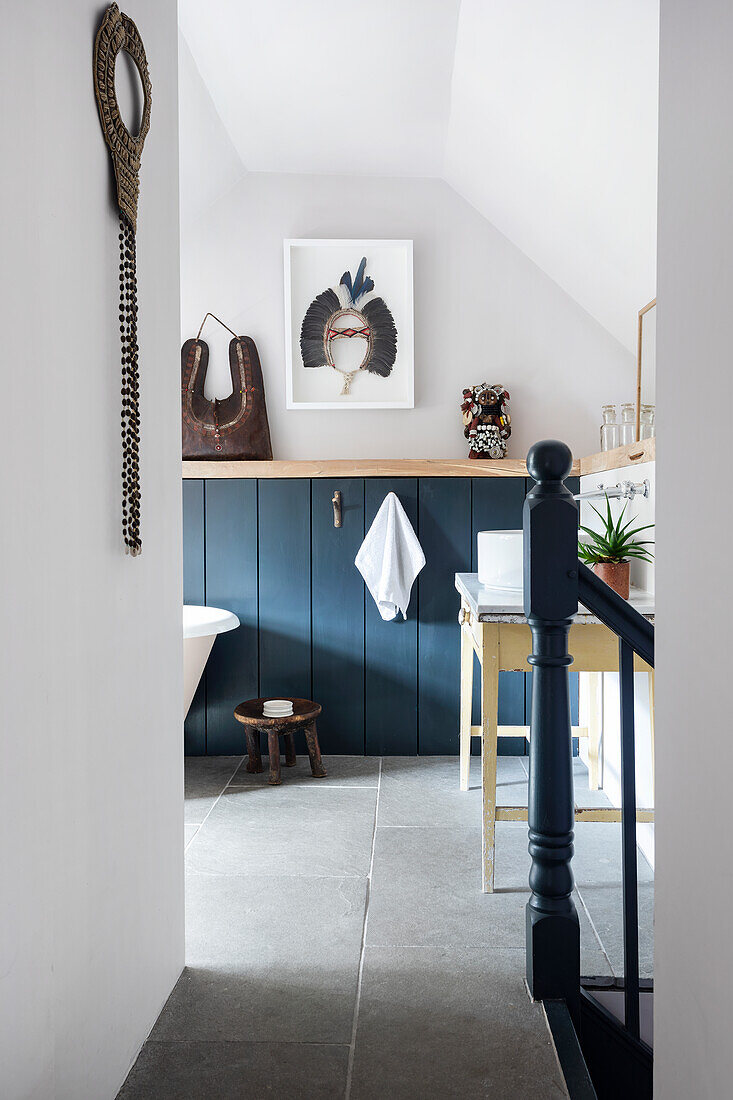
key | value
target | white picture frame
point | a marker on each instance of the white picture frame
(312, 266)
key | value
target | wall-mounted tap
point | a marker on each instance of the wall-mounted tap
(625, 489)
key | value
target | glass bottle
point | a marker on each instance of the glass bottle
(609, 428)
(648, 429)
(627, 433)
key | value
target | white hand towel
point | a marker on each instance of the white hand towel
(390, 558)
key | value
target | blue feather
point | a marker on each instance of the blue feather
(361, 285)
(358, 282)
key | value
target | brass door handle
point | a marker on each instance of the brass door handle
(336, 501)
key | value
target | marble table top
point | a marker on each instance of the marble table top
(493, 605)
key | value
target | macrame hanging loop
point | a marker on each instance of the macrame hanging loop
(118, 32)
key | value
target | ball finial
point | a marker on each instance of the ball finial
(549, 460)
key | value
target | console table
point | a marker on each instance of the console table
(494, 627)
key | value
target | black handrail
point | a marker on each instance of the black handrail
(554, 583)
(618, 615)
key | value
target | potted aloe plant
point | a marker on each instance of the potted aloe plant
(609, 551)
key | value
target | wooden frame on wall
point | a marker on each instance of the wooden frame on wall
(640, 359)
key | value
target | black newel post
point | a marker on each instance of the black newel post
(550, 600)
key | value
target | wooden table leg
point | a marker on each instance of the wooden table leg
(595, 727)
(254, 763)
(489, 748)
(311, 739)
(466, 701)
(273, 743)
(290, 758)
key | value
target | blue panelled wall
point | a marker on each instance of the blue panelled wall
(268, 550)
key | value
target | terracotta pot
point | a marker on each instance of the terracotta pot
(615, 574)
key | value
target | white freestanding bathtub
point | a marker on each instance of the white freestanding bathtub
(200, 628)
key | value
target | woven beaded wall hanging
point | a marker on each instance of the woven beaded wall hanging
(118, 32)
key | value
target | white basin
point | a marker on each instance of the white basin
(500, 560)
(200, 628)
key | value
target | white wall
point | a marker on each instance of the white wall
(694, 882)
(91, 902)
(553, 137)
(209, 164)
(483, 312)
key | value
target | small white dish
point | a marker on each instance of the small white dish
(277, 708)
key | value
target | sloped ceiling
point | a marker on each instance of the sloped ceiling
(543, 115)
(324, 87)
(553, 137)
(209, 163)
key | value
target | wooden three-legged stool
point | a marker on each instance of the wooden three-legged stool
(304, 714)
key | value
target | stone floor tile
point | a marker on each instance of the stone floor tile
(343, 771)
(449, 1022)
(425, 790)
(231, 1071)
(311, 831)
(205, 779)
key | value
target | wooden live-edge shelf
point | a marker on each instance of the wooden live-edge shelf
(359, 467)
(632, 454)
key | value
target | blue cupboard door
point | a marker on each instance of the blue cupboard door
(194, 592)
(231, 583)
(285, 588)
(391, 647)
(497, 504)
(337, 615)
(444, 517)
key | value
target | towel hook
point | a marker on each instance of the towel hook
(336, 501)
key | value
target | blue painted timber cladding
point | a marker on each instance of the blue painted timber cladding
(269, 552)
(285, 587)
(497, 506)
(337, 616)
(194, 592)
(444, 517)
(391, 647)
(231, 582)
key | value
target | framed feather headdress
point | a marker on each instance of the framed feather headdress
(349, 344)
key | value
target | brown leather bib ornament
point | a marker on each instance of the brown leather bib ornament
(235, 428)
(118, 32)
